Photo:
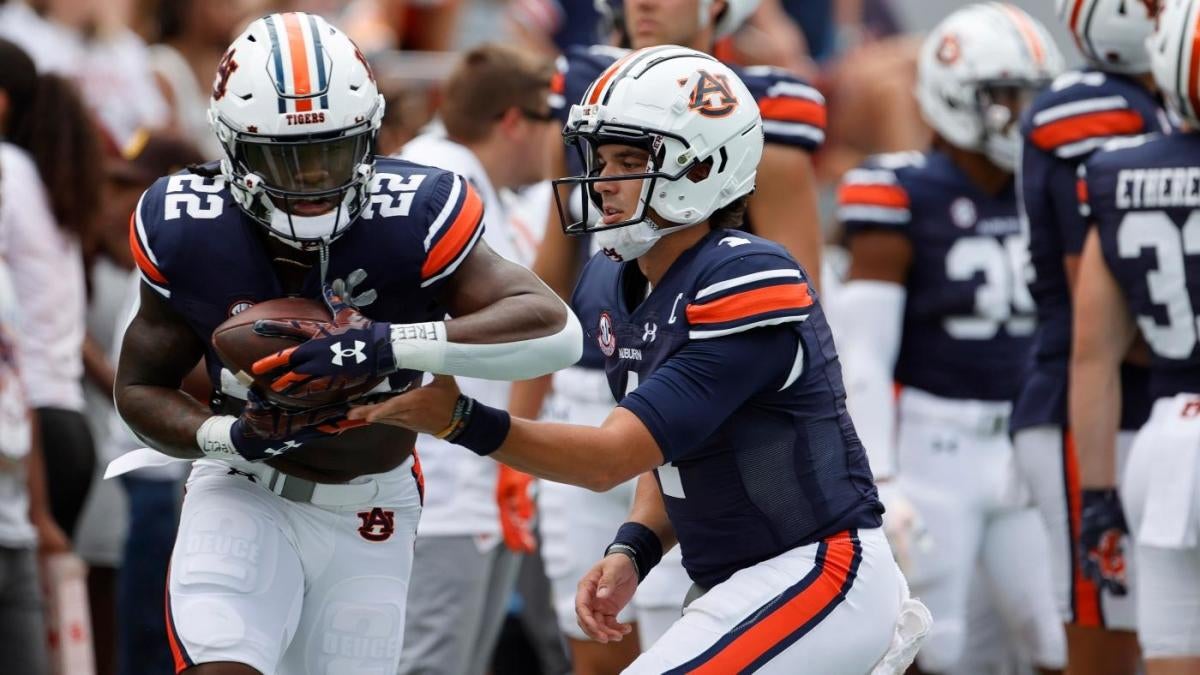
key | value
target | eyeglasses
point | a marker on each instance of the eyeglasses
(535, 115)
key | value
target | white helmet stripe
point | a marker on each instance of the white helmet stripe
(1027, 31)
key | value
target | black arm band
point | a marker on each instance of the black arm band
(483, 428)
(639, 543)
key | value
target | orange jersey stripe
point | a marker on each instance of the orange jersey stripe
(750, 303)
(891, 196)
(558, 83)
(793, 614)
(458, 234)
(1081, 191)
(139, 256)
(1085, 598)
(1083, 127)
(295, 38)
(793, 110)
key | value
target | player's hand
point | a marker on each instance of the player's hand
(516, 509)
(264, 430)
(902, 525)
(426, 409)
(1102, 525)
(51, 539)
(344, 352)
(602, 593)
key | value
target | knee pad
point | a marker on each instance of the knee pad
(360, 628)
(224, 548)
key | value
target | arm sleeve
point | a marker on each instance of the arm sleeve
(455, 225)
(871, 198)
(695, 391)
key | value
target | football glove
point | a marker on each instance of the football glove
(345, 352)
(1102, 525)
(516, 509)
(264, 430)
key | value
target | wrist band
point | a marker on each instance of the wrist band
(214, 437)
(483, 428)
(461, 408)
(639, 543)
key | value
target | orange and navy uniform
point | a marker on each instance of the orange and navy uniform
(1062, 127)
(730, 365)
(197, 249)
(967, 315)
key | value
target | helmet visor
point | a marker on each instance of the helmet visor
(306, 167)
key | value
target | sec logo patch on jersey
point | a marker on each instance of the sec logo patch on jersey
(605, 336)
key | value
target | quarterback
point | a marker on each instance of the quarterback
(730, 398)
(294, 556)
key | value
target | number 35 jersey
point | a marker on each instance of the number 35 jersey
(196, 248)
(968, 316)
(731, 367)
(1143, 194)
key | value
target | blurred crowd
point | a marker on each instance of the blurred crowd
(98, 98)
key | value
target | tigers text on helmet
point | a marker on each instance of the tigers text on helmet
(296, 108)
(1174, 49)
(698, 122)
(977, 70)
(1111, 34)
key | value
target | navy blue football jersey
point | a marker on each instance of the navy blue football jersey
(967, 316)
(729, 363)
(1062, 127)
(1143, 194)
(197, 249)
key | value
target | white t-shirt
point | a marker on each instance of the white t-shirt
(47, 271)
(460, 486)
(15, 528)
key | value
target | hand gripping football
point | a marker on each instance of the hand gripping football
(239, 347)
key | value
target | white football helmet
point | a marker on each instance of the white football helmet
(687, 109)
(296, 108)
(1172, 49)
(735, 14)
(977, 70)
(1111, 34)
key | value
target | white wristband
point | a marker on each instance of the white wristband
(215, 439)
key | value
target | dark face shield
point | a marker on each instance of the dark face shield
(306, 169)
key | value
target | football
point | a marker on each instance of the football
(239, 347)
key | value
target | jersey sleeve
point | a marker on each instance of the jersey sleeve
(793, 112)
(1048, 200)
(574, 73)
(150, 241)
(871, 198)
(749, 291)
(693, 393)
(1073, 128)
(455, 214)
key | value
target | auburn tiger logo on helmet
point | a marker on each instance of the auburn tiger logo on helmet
(712, 96)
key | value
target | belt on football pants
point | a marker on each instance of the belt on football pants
(982, 417)
(293, 488)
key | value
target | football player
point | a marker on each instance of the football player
(294, 555)
(731, 407)
(1139, 277)
(1112, 96)
(933, 305)
(783, 208)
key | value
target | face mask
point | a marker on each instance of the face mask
(1003, 148)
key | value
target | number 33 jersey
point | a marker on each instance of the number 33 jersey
(968, 316)
(1143, 194)
(196, 248)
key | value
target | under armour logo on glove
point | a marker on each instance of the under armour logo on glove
(1102, 526)
(339, 353)
(308, 367)
(264, 430)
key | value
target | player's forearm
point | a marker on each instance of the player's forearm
(1095, 412)
(166, 419)
(590, 457)
(517, 338)
(649, 510)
